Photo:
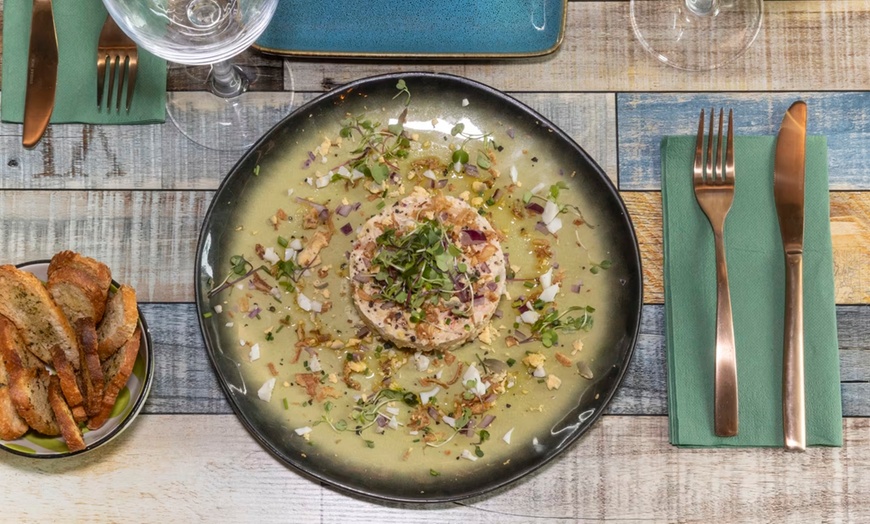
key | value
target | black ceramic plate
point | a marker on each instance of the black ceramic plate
(444, 99)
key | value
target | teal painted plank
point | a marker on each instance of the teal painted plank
(643, 119)
(184, 381)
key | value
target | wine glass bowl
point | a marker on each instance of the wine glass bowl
(696, 35)
(193, 32)
(208, 32)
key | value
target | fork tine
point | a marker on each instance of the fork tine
(101, 79)
(718, 165)
(131, 80)
(122, 75)
(729, 149)
(708, 169)
(698, 172)
(113, 70)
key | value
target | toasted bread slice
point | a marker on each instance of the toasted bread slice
(67, 424)
(118, 323)
(12, 426)
(69, 380)
(26, 302)
(117, 370)
(79, 285)
(28, 389)
(92, 370)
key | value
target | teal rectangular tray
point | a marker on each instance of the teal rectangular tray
(416, 28)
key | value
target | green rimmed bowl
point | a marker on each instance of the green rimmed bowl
(130, 400)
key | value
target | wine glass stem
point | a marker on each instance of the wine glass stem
(703, 7)
(227, 80)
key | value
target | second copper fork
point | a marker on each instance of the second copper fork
(118, 56)
(713, 177)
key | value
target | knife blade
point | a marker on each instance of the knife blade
(788, 193)
(41, 73)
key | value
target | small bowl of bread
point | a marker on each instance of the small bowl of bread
(76, 361)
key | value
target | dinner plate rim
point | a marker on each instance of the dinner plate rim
(138, 404)
(359, 490)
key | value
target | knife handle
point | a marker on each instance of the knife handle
(793, 407)
(725, 414)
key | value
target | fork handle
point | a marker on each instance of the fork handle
(725, 386)
(793, 406)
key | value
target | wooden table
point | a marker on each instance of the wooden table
(135, 196)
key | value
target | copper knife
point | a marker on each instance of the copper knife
(41, 73)
(788, 193)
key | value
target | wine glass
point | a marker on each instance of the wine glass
(208, 32)
(696, 35)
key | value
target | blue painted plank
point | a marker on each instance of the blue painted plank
(643, 119)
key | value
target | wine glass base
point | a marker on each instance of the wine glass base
(227, 124)
(678, 36)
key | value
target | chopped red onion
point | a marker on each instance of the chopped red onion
(382, 421)
(344, 210)
(487, 420)
(535, 207)
(442, 183)
(254, 312)
(470, 237)
(542, 228)
(346, 229)
(498, 313)
(496, 194)
(479, 301)
(359, 277)
(433, 413)
(510, 132)
(471, 170)
(522, 309)
(363, 331)
(577, 287)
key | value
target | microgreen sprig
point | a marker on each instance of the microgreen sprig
(419, 267)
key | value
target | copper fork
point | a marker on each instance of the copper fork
(118, 54)
(714, 189)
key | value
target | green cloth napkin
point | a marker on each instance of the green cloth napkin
(78, 24)
(757, 281)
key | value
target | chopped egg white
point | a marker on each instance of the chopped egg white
(271, 256)
(507, 436)
(265, 391)
(303, 430)
(467, 455)
(421, 361)
(546, 279)
(254, 354)
(426, 395)
(549, 293)
(530, 317)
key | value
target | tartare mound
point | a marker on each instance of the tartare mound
(427, 273)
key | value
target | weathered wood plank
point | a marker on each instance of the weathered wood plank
(207, 468)
(265, 73)
(601, 53)
(186, 383)
(148, 238)
(850, 233)
(644, 119)
(78, 156)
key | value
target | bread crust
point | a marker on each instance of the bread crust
(117, 371)
(69, 380)
(119, 322)
(92, 370)
(12, 426)
(66, 422)
(42, 324)
(79, 285)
